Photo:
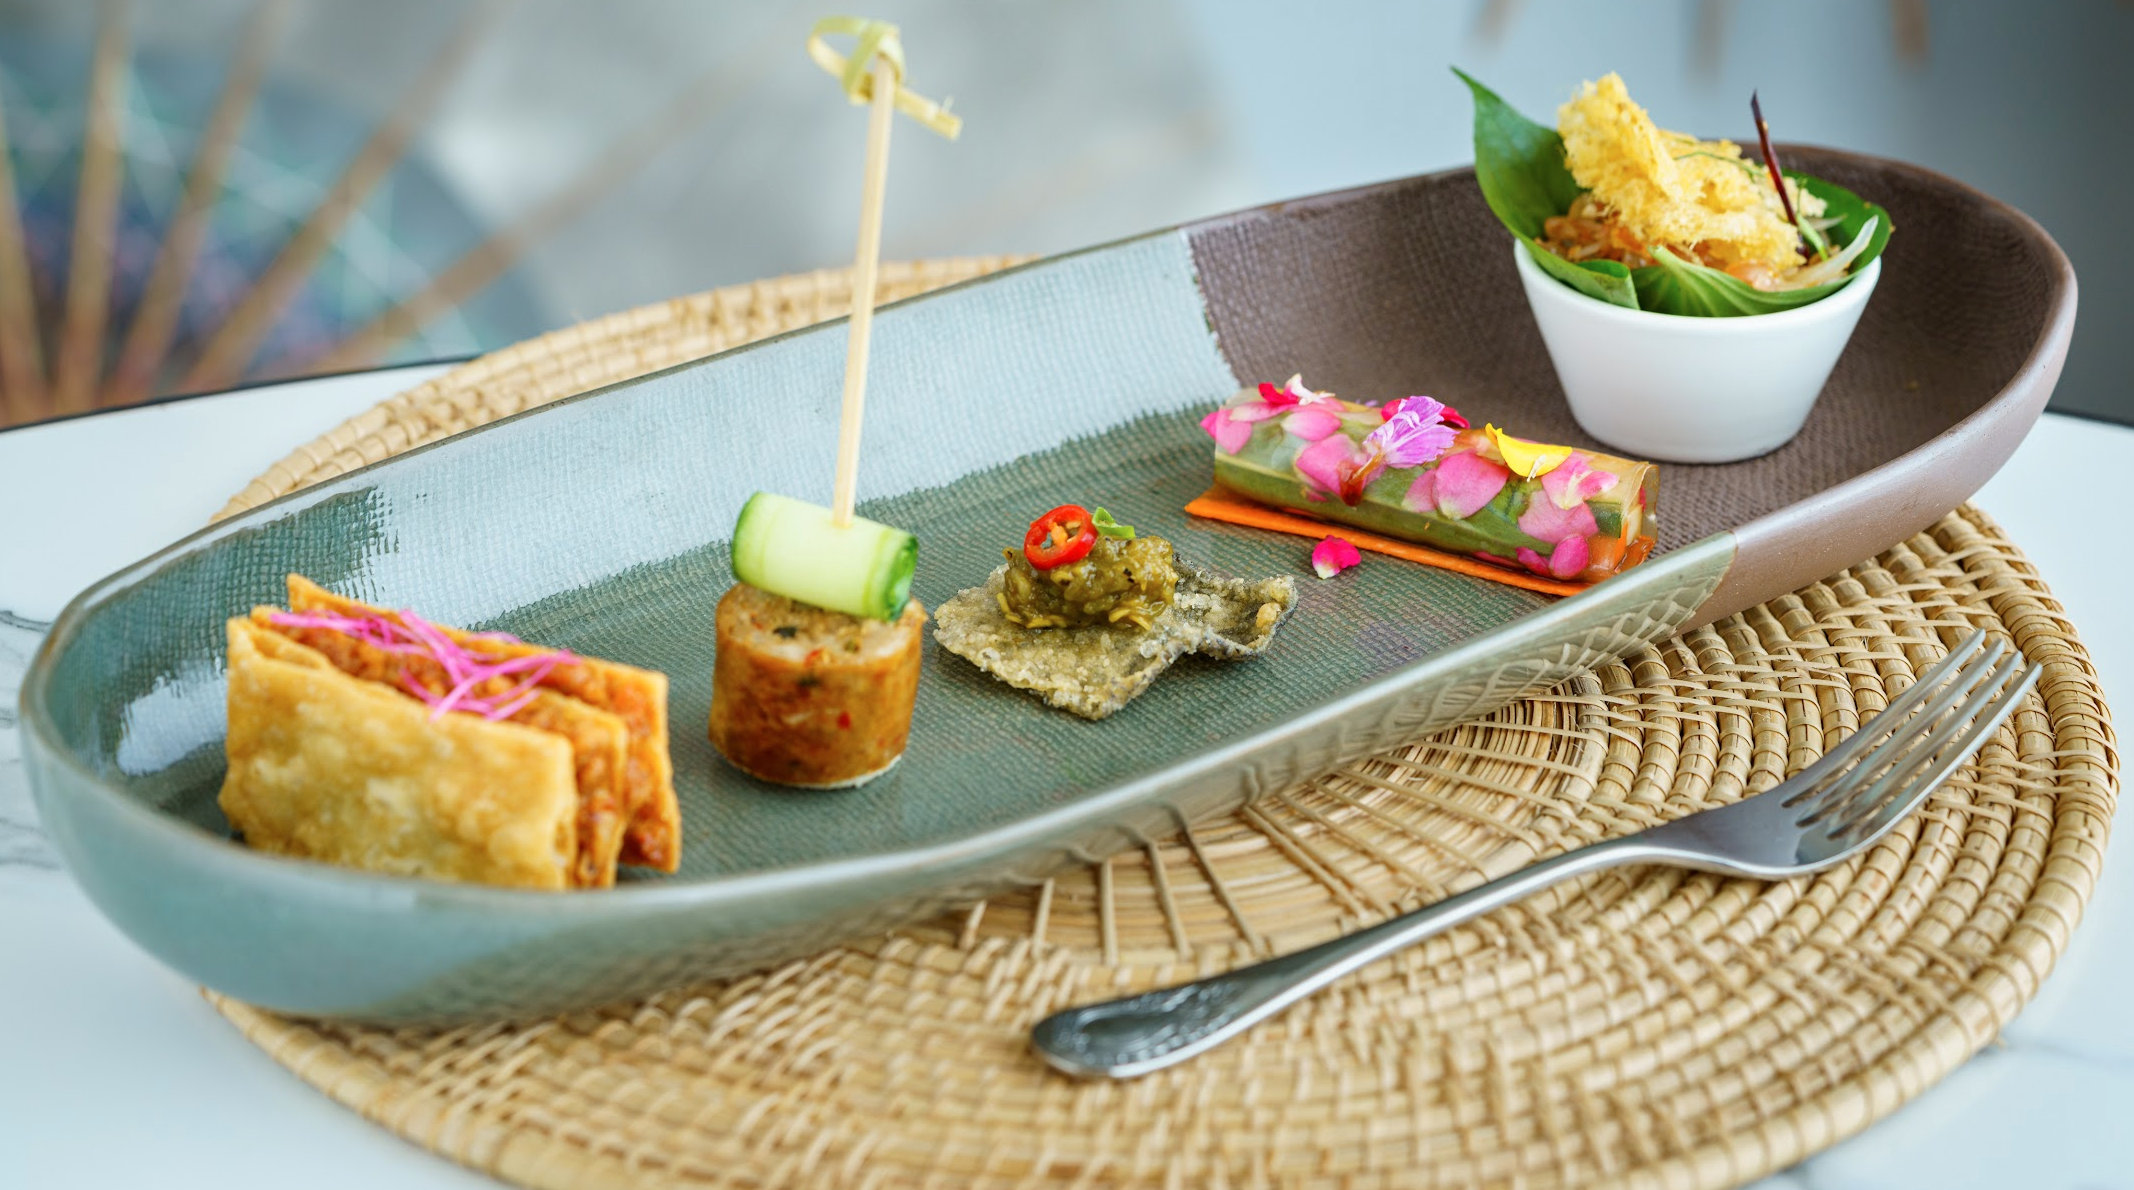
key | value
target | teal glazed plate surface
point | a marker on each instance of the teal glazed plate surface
(600, 523)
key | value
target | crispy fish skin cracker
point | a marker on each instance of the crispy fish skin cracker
(652, 837)
(329, 767)
(1671, 188)
(1094, 671)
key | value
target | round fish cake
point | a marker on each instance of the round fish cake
(812, 698)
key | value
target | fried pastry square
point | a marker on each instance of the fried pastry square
(651, 816)
(330, 767)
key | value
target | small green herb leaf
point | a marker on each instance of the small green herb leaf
(1101, 521)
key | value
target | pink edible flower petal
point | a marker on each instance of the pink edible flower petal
(1333, 555)
(1273, 401)
(1565, 561)
(1575, 481)
(1326, 462)
(1277, 398)
(1467, 482)
(1295, 386)
(1544, 521)
(1428, 408)
(1413, 432)
(1422, 494)
(1453, 418)
(1569, 557)
(1230, 431)
(1312, 422)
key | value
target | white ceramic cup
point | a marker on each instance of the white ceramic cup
(1691, 390)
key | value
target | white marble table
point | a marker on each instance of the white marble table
(114, 1072)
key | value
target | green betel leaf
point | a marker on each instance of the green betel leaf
(1672, 285)
(1607, 280)
(1852, 213)
(1519, 164)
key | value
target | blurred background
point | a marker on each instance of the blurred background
(210, 192)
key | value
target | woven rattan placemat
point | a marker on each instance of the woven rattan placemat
(1644, 1027)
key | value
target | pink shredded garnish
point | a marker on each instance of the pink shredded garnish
(466, 670)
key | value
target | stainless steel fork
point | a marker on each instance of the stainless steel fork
(1831, 810)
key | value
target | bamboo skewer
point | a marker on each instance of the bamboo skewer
(96, 207)
(873, 75)
(223, 361)
(22, 388)
(155, 319)
(866, 270)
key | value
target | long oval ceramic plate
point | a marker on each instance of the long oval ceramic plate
(599, 524)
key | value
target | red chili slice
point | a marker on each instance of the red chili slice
(1060, 537)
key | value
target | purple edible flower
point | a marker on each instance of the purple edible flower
(1414, 433)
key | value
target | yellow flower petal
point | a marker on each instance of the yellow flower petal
(1530, 459)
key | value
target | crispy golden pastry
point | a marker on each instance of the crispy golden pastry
(1671, 188)
(447, 784)
(330, 767)
(652, 818)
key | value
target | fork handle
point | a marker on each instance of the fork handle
(1140, 1034)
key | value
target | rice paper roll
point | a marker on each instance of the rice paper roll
(1415, 470)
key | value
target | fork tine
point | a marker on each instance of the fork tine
(1871, 783)
(1892, 716)
(1936, 761)
(1944, 685)
(1860, 790)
